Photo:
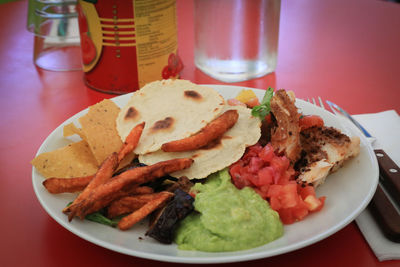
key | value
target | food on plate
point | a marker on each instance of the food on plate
(307, 121)
(227, 219)
(262, 110)
(129, 204)
(167, 220)
(66, 185)
(62, 185)
(99, 127)
(212, 131)
(103, 174)
(105, 193)
(326, 149)
(248, 97)
(128, 221)
(107, 168)
(73, 160)
(283, 171)
(210, 174)
(171, 109)
(272, 176)
(285, 135)
(82, 158)
(131, 141)
(219, 154)
(71, 129)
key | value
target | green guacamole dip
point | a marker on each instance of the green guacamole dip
(227, 219)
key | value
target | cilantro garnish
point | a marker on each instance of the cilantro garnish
(264, 108)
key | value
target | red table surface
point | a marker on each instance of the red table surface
(345, 51)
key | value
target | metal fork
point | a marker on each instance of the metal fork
(387, 195)
(338, 111)
(321, 103)
(335, 108)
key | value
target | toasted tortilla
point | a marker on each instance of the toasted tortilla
(171, 109)
(99, 140)
(99, 128)
(219, 154)
(73, 160)
(71, 129)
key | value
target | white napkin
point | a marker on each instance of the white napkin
(385, 126)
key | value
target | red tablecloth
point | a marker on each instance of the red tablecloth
(345, 51)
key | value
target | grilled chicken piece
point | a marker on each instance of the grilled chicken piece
(325, 149)
(285, 137)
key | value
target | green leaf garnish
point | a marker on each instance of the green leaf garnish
(264, 108)
(100, 218)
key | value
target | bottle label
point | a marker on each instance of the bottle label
(128, 43)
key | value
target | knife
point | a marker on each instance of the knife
(385, 204)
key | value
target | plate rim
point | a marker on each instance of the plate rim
(220, 258)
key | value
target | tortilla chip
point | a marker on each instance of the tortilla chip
(99, 127)
(100, 139)
(74, 160)
(71, 129)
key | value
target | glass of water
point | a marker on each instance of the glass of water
(54, 24)
(236, 40)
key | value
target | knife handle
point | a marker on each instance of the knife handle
(389, 175)
(385, 214)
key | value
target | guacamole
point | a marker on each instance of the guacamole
(227, 219)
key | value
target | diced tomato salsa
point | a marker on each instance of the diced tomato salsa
(273, 178)
(308, 121)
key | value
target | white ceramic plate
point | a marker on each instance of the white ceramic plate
(348, 192)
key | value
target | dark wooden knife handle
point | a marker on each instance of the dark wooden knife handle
(389, 175)
(385, 214)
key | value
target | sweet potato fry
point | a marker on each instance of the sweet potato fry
(103, 174)
(107, 192)
(139, 190)
(210, 132)
(56, 185)
(136, 216)
(129, 204)
(105, 171)
(66, 185)
(131, 141)
(132, 190)
(71, 185)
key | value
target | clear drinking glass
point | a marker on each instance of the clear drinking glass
(236, 40)
(54, 24)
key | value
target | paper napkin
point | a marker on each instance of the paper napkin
(385, 126)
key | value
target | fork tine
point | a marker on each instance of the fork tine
(313, 101)
(333, 110)
(321, 103)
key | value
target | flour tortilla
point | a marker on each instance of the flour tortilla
(171, 109)
(227, 150)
